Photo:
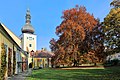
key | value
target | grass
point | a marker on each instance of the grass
(112, 73)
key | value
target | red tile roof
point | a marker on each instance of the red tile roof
(43, 54)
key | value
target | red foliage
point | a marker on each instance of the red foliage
(73, 30)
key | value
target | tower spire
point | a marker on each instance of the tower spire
(28, 16)
(27, 28)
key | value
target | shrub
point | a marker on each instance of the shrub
(113, 62)
(3, 62)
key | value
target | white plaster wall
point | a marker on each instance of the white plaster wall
(0, 50)
(114, 56)
(29, 39)
(4, 40)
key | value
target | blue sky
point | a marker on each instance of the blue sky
(46, 15)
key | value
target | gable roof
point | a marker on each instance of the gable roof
(14, 37)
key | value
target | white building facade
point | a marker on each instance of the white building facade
(114, 56)
(28, 38)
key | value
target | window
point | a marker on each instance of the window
(40, 60)
(30, 38)
(21, 38)
(118, 55)
(30, 45)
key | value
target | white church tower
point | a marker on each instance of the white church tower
(28, 38)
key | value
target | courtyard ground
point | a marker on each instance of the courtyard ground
(111, 73)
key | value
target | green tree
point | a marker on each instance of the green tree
(112, 28)
(115, 3)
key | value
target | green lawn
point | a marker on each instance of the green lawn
(112, 73)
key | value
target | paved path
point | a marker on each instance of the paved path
(17, 77)
(20, 76)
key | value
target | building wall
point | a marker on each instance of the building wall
(42, 62)
(28, 39)
(18, 59)
(114, 56)
(0, 49)
(7, 42)
(18, 41)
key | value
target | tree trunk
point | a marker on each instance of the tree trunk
(95, 64)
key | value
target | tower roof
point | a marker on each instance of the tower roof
(27, 28)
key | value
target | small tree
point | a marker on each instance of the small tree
(3, 61)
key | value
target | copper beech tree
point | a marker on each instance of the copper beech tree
(74, 36)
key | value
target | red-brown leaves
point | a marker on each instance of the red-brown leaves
(76, 25)
(78, 19)
(89, 57)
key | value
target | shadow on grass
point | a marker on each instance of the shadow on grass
(76, 74)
